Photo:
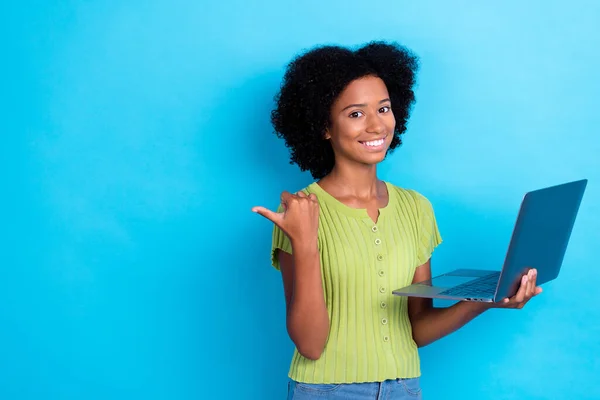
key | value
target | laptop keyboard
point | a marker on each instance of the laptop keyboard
(481, 287)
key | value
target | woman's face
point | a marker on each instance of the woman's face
(362, 123)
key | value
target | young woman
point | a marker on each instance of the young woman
(347, 240)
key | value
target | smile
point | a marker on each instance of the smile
(374, 144)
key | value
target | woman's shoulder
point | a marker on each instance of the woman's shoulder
(409, 196)
(308, 189)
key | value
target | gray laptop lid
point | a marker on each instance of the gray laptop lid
(541, 235)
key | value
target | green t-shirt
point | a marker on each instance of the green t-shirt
(370, 337)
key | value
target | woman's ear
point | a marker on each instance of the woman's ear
(326, 136)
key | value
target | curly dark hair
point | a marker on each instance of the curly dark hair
(314, 80)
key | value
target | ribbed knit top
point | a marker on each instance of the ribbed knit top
(362, 262)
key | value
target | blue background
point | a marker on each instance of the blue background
(135, 138)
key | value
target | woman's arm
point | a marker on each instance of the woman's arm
(307, 318)
(430, 324)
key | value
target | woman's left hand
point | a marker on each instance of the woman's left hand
(526, 292)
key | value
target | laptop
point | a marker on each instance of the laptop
(539, 240)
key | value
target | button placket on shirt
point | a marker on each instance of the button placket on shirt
(382, 287)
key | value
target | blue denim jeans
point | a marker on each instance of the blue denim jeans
(397, 389)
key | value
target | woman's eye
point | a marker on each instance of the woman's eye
(384, 109)
(355, 114)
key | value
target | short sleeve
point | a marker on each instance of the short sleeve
(429, 235)
(280, 242)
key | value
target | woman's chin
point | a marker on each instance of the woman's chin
(371, 161)
(369, 158)
(373, 158)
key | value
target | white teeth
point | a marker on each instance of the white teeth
(374, 143)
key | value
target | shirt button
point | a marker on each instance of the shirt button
(379, 257)
(383, 305)
(386, 338)
(381, 290)
(374, 228)
(384, 321)
(381, 273)
(377, 241)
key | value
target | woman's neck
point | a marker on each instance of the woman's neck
(358, 182)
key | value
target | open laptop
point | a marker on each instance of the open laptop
(539, 240)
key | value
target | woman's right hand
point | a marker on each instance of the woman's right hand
(307, 319)
(299, 219)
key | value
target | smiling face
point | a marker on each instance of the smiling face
(362, 123)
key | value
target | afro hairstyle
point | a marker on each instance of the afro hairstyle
(312, 82)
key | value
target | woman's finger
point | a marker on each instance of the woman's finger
(276, 218)
(533, 282)
(520, 296)
(529, 288)
(286, 197)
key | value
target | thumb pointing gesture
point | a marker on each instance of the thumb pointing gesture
(276, 218)
(299, 219)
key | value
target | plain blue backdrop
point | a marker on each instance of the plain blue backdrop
(135, 138)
